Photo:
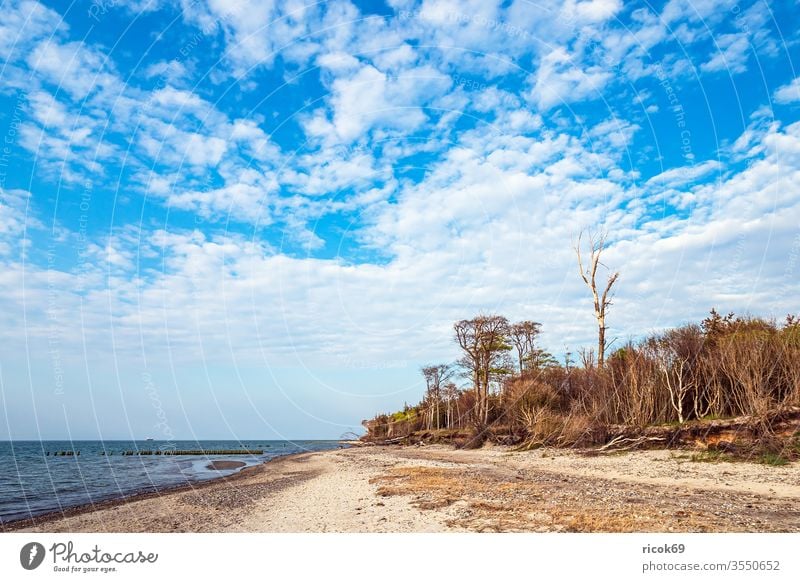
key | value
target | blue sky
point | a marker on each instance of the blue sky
(258, 219)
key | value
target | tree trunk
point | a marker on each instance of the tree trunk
(601, 340)
(476, 382)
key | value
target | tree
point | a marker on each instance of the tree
(483, 340)
(715, 325)
(435, 378)
(672, 366)
(451, 397)
(601, 300)
(523, 336)
(540, 359)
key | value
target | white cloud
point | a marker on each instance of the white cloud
(614, 134)
(469, 23)
(682, 176)
(697, 10)
(246, 199)
(167, 145)
(73, 67)
(23, 24)
(590, 11)
(361, 101)
(172, 104)
(256, 30)
(731, 55)
(328, 172)
(561, 80)
(66, 143)
(13, 205)
(49, 112)
(369, 98)
(173, 72)
(253, 140)
(789, 93)
(339, 63)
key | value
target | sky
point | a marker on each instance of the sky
(255, 219)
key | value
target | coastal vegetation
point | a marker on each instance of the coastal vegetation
(729, 383)
(727, 378)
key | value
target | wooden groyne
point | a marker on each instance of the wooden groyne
(167, 452)
(196, 452)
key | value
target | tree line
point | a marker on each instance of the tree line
(724, 366)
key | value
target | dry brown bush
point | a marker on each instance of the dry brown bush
(724, 368)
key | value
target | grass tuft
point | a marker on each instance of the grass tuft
(710, 456)
(773, 460)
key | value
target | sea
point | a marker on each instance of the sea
(34, 480)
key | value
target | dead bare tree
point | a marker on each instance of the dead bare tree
(601, 299)
(673, 366)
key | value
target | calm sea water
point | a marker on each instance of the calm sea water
(33, 482)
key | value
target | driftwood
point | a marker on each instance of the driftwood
(621, 443)
(356, 443)
(721, 433)
(389, 441)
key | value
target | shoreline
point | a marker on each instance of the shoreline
(118, 500)
(440, 489)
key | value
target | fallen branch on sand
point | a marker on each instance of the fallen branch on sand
(621, 443)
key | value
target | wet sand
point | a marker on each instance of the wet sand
(225, 465)
(438, 489)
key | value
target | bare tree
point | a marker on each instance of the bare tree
(451, 397)
(673, 364)
(483, 340)
(601, 299)
(435, 378)
(468, 339)
(523, 335)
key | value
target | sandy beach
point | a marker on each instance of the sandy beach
(439, 489)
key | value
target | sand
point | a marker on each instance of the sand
(225, 465)
(438, 489)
